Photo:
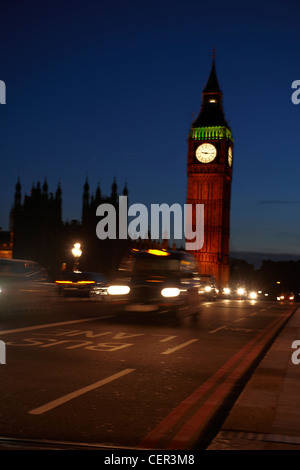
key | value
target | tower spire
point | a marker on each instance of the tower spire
(212, 85)
(211, 112)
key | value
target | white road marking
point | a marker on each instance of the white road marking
(218, 329)
(50, 325)
(165, 339)
(77, 393)
(169, 338)
(180, 346)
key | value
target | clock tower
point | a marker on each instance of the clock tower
(209, 171)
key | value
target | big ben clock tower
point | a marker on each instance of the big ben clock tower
(209, 170)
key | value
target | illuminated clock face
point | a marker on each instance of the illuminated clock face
(230, 156)
(206, 153)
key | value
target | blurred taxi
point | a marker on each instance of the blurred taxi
(83, 284)
(157, 281)
(24, 284)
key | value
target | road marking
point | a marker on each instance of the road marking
(180, 346)
(168, 338)
(77, 393)
(235, 321)
(50, 325)
(197, 422)
(235, 366)
(218, 329)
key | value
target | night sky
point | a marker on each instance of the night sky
(105, 90)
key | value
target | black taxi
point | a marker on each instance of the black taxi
(157, 280)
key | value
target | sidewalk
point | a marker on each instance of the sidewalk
(266, 415)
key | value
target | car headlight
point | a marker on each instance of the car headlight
(118, 290)
(170, 292)
(241, 291)
(226, 290)
(252, 295)
(207, 288)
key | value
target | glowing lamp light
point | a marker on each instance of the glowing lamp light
(76, 250)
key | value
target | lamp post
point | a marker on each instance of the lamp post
(76, 252)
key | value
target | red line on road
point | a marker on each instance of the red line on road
(191, 430)
(152, 439)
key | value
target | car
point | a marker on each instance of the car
(156, 280)
(208, 287)
(286, 297)
(24, 285)
(82, 284)
(235, 290)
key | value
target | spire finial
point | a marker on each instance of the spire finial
(214, 52)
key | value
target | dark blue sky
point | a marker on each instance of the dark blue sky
(109, 89)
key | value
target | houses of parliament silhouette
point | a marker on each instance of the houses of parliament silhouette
(40, 234)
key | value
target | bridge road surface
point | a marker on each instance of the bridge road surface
(80, 375)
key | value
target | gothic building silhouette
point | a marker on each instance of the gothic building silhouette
(40, 233)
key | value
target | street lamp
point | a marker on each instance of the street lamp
(76, 252)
